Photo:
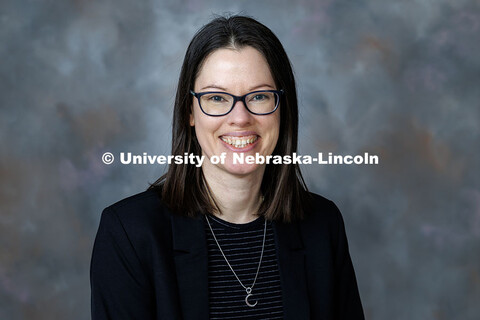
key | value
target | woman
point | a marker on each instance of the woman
(227, 240)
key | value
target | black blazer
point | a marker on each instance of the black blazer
(148, 263)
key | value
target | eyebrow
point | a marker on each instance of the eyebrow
(215, 86)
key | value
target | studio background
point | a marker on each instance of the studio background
(399, 79)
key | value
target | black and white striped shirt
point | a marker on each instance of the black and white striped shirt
(242, 245)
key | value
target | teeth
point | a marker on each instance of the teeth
(239, 142)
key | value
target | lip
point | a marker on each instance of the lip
(240, 134)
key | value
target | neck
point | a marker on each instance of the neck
(238, 197)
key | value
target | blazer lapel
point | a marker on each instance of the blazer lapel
(291, 263)
(191, 261)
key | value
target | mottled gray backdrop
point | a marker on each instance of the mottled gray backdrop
(399, 79)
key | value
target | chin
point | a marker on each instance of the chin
(241, 169)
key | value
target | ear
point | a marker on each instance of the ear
(192, 120)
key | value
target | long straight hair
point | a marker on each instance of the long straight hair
(183, 188)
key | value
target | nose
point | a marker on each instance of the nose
(240, 116)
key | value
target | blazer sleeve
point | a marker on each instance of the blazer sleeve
(349, 306)
(120, 288)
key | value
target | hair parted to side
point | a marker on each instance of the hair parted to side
(183, 188)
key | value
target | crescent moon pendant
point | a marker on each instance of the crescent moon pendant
(248, 303)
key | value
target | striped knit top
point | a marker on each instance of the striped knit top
(242, 245)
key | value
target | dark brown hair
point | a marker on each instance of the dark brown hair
(183, 188)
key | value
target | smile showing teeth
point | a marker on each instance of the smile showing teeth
(239, 142)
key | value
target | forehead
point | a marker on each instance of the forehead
(234, 69)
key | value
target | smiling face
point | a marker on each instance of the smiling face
(236, 71)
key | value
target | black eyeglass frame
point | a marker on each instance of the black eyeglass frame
(236, 99)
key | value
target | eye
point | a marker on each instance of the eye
(259, 97)
(216, 98)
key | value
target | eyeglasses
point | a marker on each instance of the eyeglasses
(218, 104)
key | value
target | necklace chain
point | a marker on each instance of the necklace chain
(247, 289)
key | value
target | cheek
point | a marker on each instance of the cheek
(273, 134)
(205, 129)
(275, 141)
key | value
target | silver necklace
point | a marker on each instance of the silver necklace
(247, 289)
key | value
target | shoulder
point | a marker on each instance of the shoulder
(143, 206)
(133, 237)
(322, 216)
(321, 208)
(140, 217)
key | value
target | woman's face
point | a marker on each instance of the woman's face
(237, 72)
